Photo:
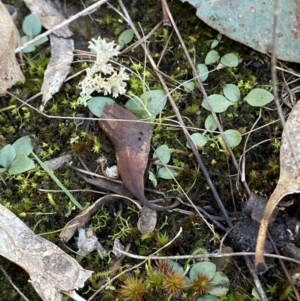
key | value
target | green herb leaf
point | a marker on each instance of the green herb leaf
(31, 25)
(212, 57)
(203, 72)
(7, 156)
(152, 178)
(259, 97)
(232, 92)
(21, 164)
(166, 173)
(210, 123)
(125, 37)
(163, 153)
(198, 139)
(97, 104)
(23, 146)
(203, 268)
(233, 137)
(220, 285)
(230, 60)
(218, 102)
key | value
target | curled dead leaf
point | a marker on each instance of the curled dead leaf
(130, 138)
(288, 183)
(10, 72)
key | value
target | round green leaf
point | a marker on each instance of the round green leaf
(175, 267)
(166, 173)
(218, 102)
(198, 139)
(163, 153)
(210, 123)
(233, 137)
(138, 108)
(188, 86)
(97, 104)
(212, 57)
(29, 48)
(7, 156)
(21, 164)
(155, 100)
(232, 92)
(203, 72)
(203, 268)
(152, 178)
(219, 285)
(230, 60)
(125, 37)
(23, 146)
(259, 97)
(41, 41)
(31, 25)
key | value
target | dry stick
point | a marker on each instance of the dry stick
(264, 223)
(204, 93)
(198, 256)
(71, 19)
(179, 118)
(258, 285)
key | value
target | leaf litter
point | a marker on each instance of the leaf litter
(131, 139)
(288, 183)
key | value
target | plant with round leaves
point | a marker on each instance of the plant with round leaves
(206, 281)
(14, 158)
(163, 155)
(148, 105)
(32, 27)
(213, 57)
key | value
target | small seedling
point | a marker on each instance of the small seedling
(32, 27)
(164, 154)
(14, 158)
(125, 37)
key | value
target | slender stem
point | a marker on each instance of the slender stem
(56, 180)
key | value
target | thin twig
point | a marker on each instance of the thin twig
(210, 255)
(257, 282)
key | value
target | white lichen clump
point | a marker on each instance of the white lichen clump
(102, 76)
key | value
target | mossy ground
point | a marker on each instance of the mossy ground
(52, 138)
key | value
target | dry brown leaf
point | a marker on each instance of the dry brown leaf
(10, 72)
(288, 183)
(130, 138)
(52, 272)
(58, 67)
(84, 217)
